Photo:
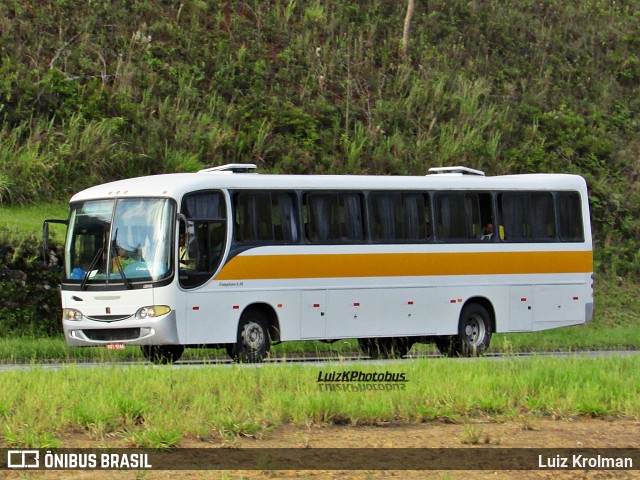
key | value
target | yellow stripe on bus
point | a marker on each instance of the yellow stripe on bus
(264, 267)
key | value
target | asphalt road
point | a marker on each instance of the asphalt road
(307, 360)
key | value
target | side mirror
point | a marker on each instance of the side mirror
(45, 238)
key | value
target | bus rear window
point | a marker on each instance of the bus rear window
(570, 217)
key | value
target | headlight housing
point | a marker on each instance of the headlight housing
(72, 314)
(152, 311)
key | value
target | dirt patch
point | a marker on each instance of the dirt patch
(527, 433)
(580, 433)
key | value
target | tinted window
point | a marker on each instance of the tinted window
(527, 216)
(399, 216)
(265, 217)
(463, 216)
(333, 217)
(570, 217)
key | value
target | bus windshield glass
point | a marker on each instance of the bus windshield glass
(119, 241)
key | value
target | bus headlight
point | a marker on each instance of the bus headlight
(71, 314)
(152, 311)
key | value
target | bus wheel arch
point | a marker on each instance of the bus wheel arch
(488, 306)
(258, 327)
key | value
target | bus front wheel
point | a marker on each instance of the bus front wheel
(253, 338)
(162, 354)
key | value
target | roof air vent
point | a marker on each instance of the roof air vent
(231, 168)
(456, 171)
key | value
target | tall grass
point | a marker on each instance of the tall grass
(159, 406)
(18, 223)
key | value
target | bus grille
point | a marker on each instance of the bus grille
(112, 335)
(109, 318)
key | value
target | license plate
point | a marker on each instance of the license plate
(115, 346)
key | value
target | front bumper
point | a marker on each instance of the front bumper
(150, 331)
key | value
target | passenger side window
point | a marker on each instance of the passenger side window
(528, 216)
(399, 216)
(333, 217)
(265, 217)
(464, 216)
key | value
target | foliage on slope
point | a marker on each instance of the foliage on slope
(98, 90)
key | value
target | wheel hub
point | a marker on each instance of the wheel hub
(253, 336)
(474, 330)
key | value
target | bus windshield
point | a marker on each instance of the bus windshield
(119, 241)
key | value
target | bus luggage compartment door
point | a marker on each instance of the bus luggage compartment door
(313, 319)
(521, 308)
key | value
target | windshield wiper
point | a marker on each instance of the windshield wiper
(113, 251)
(116, 257)
(83, 285)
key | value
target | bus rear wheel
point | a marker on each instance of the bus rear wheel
(253, 338)
(386, 347)
(474, 332)
(162, 354)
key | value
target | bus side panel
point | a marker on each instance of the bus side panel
(520, 308)
(558, 305)
(213, 316)
(313, 314)
(380, 312)
(452, 298)
(210, 318)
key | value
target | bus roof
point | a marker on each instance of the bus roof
(177, 184)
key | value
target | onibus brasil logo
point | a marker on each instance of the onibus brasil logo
(35, 459)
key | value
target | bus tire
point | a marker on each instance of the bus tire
(386, 347)
(253, 338)
(474, 332)
(162, 354)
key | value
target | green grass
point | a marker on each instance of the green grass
(28, 349)
(158, 407)
(17, 223)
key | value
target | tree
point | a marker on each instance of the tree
(407, 27)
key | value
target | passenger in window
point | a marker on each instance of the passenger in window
(186, 257)
(487, 232)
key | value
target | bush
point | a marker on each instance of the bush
(30, 293)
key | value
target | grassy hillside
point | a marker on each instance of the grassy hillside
(97, 90)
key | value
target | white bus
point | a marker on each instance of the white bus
(229, 258)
